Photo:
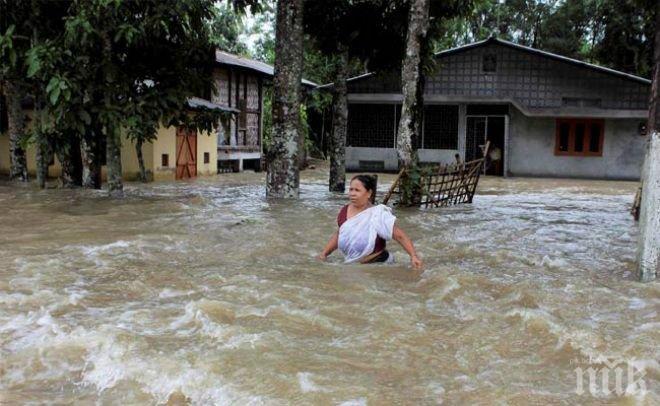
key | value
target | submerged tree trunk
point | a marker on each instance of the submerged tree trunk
(70, 159)
(412, 82)
(43, 155)
(649, 220)
(283, 177)
(113, 160)
(337, 181)
(143, 170)
(16, 130)
(90, 153)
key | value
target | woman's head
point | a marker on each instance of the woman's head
(362, 189)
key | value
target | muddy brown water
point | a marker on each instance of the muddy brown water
(205, 293)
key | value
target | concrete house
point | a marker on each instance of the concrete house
(548, 115)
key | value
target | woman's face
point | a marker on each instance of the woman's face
(358, 194)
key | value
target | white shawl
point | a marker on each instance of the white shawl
(357, 236)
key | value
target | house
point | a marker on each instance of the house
(240, 84)
(172, 155)
(548, 115)
(178, 153)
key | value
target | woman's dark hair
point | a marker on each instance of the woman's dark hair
(369, 182)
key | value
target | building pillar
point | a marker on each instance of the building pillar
(462, 129)
(648, 255)
(505, 150)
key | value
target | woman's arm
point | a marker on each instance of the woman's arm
(402, 238)
(330, 246)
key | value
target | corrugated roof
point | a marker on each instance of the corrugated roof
(196, 102)
(247, 63)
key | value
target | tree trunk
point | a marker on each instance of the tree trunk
(113, 160)
(337, 182)
(16, 129)
(283, 177)
(143, 169)
(70, 159)
(648, 254)
(91, 160)
(412, 82)
(43, 156)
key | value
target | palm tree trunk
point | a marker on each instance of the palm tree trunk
(337, 182)
(412, 82)
(16, 129)
(283, 178)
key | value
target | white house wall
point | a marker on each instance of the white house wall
(532, 150)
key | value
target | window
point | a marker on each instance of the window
(207, 158)
(579, 137)
(440, 127)
(371, 125)
(165, 160)
(489, 62)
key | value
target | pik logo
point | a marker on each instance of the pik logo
(610, 376)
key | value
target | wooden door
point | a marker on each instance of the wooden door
(186, 153)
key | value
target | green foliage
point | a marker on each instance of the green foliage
(226, 27)
(612, 33)
(411, 186)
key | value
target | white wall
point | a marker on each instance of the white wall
(532, 150)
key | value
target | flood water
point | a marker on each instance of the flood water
(206, 293)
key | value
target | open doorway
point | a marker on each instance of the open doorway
(481, 129)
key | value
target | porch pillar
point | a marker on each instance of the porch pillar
(462, 129)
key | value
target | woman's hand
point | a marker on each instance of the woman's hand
(416, 262)
(329, 247)
(403, 239)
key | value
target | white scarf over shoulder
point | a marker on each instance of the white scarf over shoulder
(357, 236)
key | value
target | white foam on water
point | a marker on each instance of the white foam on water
(307, 385)
(354, 402)
(653, 326)
(96, 249)
(32, 329)
(170, 293)
(558, 263)
(636, 303)
(583, 341)
(160, 376)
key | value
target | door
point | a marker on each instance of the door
(475, 137)
(481, 129)
(495, 134)
(186, 153)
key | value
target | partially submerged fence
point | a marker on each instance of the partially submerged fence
(441, 185)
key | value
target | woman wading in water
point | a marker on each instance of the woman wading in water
(364, 228)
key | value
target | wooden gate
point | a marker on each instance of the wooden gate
(186, 153)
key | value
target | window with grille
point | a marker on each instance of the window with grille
(370, 125)
(440, 127)
(579, 137)
(489, 62)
